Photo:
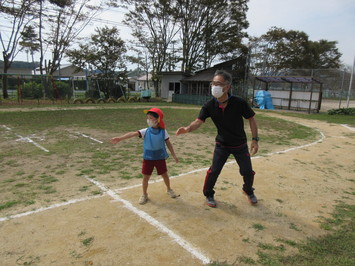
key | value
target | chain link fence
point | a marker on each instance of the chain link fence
(335, 82)
(43, 88)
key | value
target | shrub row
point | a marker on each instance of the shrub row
(342, 111)
(121, 99)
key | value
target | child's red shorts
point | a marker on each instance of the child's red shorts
(148, 167)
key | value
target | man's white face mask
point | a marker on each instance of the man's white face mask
(217, 91)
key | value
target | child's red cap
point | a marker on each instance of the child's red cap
(159, 113)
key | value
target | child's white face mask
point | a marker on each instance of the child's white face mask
(151, 123)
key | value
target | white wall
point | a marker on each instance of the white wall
(300, 99)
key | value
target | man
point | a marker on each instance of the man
(227, 113)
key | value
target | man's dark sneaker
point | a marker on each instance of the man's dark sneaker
(211, 202)
(251, 198)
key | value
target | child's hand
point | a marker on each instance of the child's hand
(115, 140)
(176, 159)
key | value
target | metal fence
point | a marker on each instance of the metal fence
(335, 82)
(22, 86)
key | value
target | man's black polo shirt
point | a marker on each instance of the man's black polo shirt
(229, 122)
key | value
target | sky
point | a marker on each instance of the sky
(332, 20)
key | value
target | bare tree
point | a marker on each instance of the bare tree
(19, 14)
(155, 29)
(66, 20)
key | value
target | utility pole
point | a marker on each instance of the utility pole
(350, 85)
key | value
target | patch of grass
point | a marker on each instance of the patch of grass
(11, 180)
(294, 227)
(271, 247)
(87, 241)
(336, 118)
(258, 227)
(19, 185)
(60, 172)
(246, 260)
(47, 189)
(334, 248)
(46, 179)
(8, 204)
(287, 241)
(84, 188)
(20, 173)
(216, 263)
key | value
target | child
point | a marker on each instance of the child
(155, 137)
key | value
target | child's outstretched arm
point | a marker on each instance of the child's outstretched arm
(171, 149)
(125, 136)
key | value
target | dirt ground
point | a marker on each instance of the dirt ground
(295, 189)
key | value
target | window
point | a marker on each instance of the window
(175, 87)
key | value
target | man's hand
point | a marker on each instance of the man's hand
(254, 147)
(182, 130)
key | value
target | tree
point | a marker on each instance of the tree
(323, 54)
(211, 29)
(69, 19)
(155, 29)
(105, 52)
(29, 41)
(19, 14)
(199, 31)
(279, 50)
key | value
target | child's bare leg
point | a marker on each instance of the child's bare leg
(166, 180)
(145, 184)
(170, 192)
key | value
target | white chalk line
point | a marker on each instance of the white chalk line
(179, 240)
(86, 136)
(26, 139)
(69, 202)
(348, 127)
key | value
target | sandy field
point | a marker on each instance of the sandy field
(295, 187)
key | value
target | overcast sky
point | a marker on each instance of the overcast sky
(332, 20)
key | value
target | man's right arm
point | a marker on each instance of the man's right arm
(193, 126)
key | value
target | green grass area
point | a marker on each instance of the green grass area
(322, 116)
(334, 248)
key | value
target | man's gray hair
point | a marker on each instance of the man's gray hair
(226, 75)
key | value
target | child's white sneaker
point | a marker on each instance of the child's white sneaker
(171, 193)
(143, 199)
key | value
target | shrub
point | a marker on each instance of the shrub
(342, 111)
(32, 90)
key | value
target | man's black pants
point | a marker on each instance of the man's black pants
(220, 156)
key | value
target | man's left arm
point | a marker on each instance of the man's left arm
(254, 147)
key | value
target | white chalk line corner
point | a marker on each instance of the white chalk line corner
(152, 221)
